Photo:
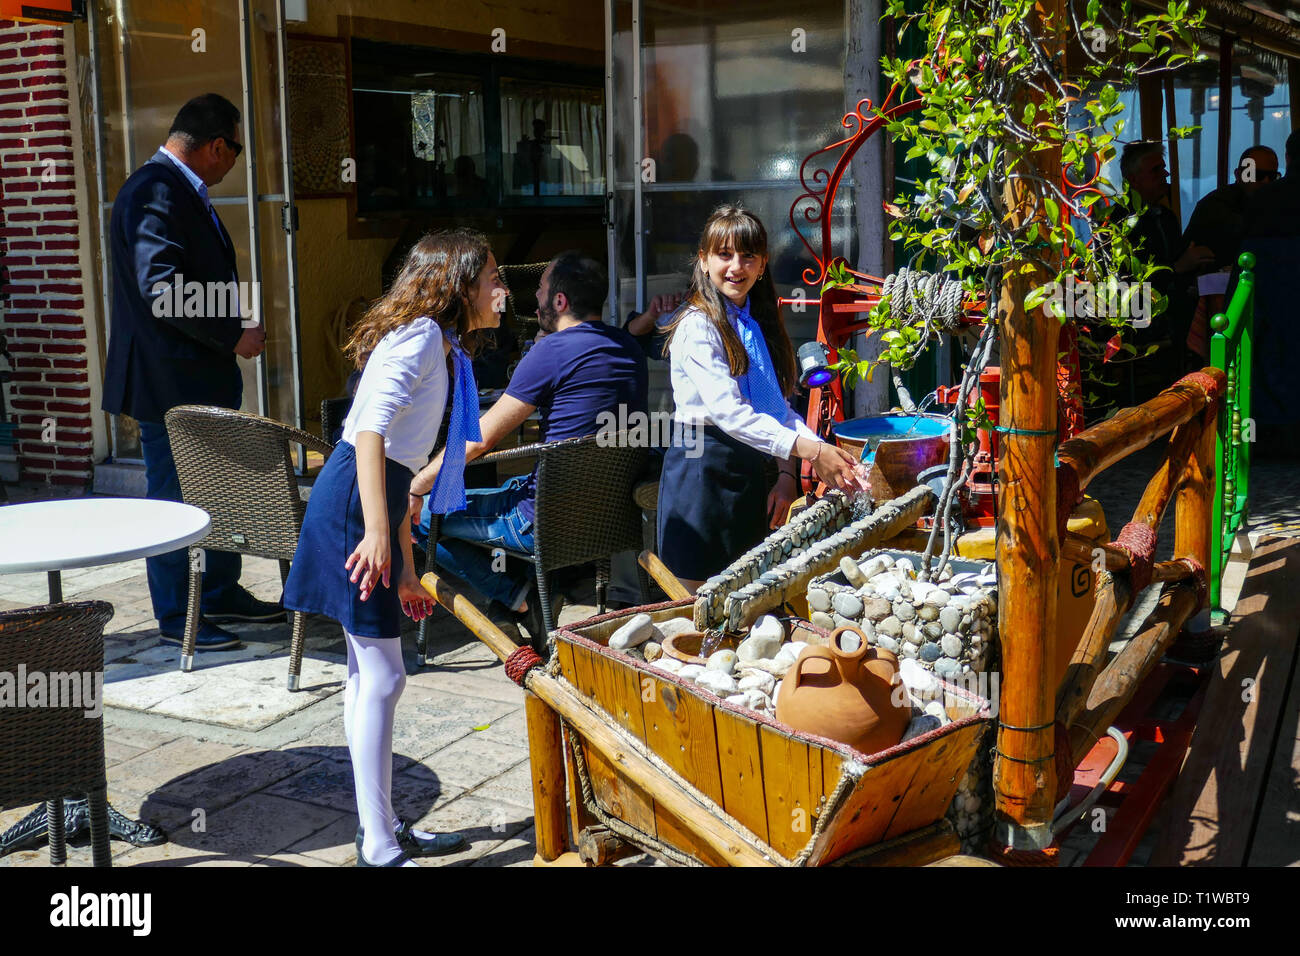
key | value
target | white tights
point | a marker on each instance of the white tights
(376, 678)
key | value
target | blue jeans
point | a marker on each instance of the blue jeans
(169, 574)
(491, 517)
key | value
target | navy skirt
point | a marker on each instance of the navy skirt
(331, 530)
(712, 507)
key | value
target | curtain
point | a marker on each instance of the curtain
(553, 138)
(447, 128)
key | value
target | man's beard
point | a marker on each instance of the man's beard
(547, 317)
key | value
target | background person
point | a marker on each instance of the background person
(164, 229)
(732, 366)
(360, 504)
(578, 370)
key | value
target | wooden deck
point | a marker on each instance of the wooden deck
(1236, 802)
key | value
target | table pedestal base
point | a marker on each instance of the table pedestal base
(33, 829)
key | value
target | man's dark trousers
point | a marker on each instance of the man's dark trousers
(169, 573)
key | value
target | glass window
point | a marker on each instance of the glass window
(553, 139)
(420, 141)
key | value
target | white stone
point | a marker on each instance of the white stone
(951, 645)
(927, 612)
(818, 599)
(719, 682)
(823, 620)
(738, 699)
(904, 611)
(935, 709)
(916, 678)
(757, 680)
(950, 618)
(652, 650)
(636, 631)
(758, 647)
(873, 566)
(723, 660)
(852, 573)
(675, 625)
(670, 664)
(690, 671)
(906, 566)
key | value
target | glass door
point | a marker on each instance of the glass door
(713, 104)
(148, 57)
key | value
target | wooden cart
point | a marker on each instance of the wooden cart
(661, 764)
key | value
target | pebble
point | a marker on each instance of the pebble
(818, 599)
(889, 591)
(776, 691)
(935, 709)
(676, 625)
(930, 652)
(758, 680)
(847, 604)
(947, 668)
(740, 700)
(652, 650)
(723, 660)
(912, 635)
(927, 612)
(950, 618)
(917, 679)
(636, 631)
(670, 664)
(904, 611)
(842, 621)
(758, 647)
(905, 565)
(719, 682)
(867, 628)
(890, 627)
(951, 645)
(849, 642)
(933, 630)
(852, 573)
(822, 619)
(887, 644)
(877, 609)
(690, 671)
(909, 650)
(873, 566)
(938, 597)
(922, 724)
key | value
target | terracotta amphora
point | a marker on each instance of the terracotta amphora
(845, 695)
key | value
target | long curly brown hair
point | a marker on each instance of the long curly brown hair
(436, 280)
(732, 227)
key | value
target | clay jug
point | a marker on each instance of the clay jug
(845, 695)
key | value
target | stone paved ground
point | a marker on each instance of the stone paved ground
(239, 771)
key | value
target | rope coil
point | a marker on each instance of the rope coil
(930, 296)
(1138, 541)
(521, 662)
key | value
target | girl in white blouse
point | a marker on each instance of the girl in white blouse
(346, 566)
(732, 368)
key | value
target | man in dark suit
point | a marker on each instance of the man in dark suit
(176, 331)
(1274, 209)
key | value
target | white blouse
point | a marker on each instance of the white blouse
(704, 391)
(403, 393)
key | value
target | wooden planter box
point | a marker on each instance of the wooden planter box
(812, 801)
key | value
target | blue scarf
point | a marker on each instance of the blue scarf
(759, 384)
(448, 494)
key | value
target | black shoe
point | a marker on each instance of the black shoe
(399, 860)
(440, 844)
(506, 620)
(243, 608)
(211, 637)
(532, 620)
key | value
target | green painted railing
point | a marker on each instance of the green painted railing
(1230, 351)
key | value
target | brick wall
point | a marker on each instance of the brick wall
(44, 309)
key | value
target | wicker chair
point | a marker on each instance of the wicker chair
(56, 750)
(332, 413)
(521, 281)
(584, 511)
(238, 468)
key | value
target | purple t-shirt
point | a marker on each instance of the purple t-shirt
(574, 375)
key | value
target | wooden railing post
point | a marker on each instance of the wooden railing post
(546, 761)
(1024, 778)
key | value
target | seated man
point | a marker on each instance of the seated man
(578, 370)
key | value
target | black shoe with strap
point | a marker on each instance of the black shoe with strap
(399, 860)
(439, 844)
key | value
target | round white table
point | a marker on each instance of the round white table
(58, 535)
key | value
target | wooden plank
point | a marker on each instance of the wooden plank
(741, 765)
(567, 670)
(679, 729)
(546, 762)
(1214, 802)
(579, 817)
(584, 683)
(788, 786)
(1274, 843)
(621, 693)
(869, 809)
(935, 782)
(832, 767)
(617, 794)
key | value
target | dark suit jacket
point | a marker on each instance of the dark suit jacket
(160, 232)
